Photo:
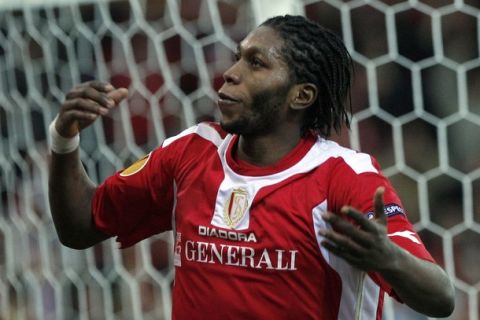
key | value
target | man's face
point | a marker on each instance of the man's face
(253, 99)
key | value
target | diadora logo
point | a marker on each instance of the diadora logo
(235, 207)
(224, 234)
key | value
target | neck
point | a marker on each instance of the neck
(268, 149)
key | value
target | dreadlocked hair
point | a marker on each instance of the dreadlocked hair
(317, 55)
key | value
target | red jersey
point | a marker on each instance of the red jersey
(246, 237)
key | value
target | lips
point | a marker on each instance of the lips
(224, 98)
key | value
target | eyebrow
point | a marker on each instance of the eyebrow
(253, 50)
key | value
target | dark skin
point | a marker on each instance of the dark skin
(266, 112)
(422, 285)
(70, 189)
(260, 68)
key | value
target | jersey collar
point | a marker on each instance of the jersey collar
(247, 169)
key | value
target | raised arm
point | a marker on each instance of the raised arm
(421, 284)
(70, 189)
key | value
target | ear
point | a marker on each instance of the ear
(303, 96)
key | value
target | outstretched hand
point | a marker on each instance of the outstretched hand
(365, 245)
(85, 103)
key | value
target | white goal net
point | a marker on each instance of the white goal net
(416, 103)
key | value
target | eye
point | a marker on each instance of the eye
(236, 56)
(257, 63)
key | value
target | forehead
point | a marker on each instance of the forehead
(264, 39)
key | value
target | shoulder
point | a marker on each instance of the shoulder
(207, 131)
(353, 178)
(197, 143)
(346, 159)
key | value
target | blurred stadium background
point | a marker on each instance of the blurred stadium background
(416, 101)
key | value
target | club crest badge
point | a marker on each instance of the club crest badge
(235, 207)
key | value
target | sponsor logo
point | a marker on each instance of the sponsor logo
(235, 207)
(390, 210)
(393, 209)
(240, 256)
(226, 234)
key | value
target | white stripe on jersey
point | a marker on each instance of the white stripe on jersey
(371, 294)
(319, 223)
(405, 234)
(360, 293)
(202, 129)
(359, 162)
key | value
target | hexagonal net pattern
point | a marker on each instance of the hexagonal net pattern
(416, 104)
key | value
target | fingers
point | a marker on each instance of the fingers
(84, 103)
(117, 95)
(342, 252)
(101, 86)
(347, 228)
(360, 241)
(76, 115)
(91, 93)
(379, 209)
(379, 206)
(340, 241)
(360, 218)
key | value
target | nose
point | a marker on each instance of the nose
(232, 75)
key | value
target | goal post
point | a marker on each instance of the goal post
(416, 104)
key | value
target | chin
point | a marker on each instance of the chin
(237, 126)
(229, 127)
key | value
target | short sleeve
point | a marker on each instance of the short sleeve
(355, 187)
(137, 202)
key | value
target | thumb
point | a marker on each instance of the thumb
(118, 95)
(379, 206)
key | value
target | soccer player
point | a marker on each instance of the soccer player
(271, 220)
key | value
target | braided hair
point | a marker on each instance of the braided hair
(317, 55)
